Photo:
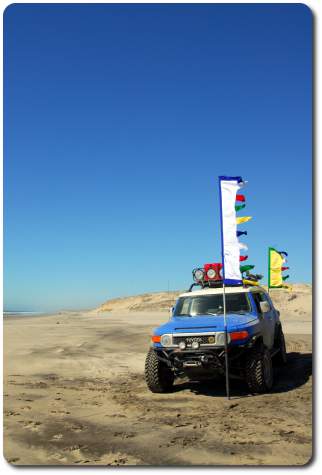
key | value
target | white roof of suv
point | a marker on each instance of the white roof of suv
(219, 290)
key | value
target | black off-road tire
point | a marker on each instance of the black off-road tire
(159, 378)
(259, 371)
(281, 356)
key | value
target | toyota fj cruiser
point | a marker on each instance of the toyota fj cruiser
(192, 343)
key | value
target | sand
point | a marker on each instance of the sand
(74, 393)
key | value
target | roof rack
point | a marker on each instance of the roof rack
(209, 276)
(207, 285)
(217, 284)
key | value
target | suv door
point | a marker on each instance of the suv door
(268, 319)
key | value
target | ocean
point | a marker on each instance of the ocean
(20, 314)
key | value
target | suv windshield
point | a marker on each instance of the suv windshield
(212, 304)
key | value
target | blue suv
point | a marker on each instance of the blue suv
(192, 342)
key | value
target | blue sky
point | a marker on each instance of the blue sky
(118, 121)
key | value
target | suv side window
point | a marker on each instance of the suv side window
(260, 297)
(185, 306)
(263, 298)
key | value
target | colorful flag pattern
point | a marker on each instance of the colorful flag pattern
(231, 247)
(228, 188)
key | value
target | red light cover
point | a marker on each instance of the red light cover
(217, 266)
(239, 335)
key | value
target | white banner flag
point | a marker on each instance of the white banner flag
(228, 187)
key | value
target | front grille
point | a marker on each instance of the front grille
(201, 339)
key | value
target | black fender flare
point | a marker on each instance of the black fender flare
(278, 328)
(258, 342)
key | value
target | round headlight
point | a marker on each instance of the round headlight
(182, 345)
(166, 340)
(220, 339)
(198, 275)
(195, 345)
(211, 273)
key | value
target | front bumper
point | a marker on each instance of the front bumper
(204, 361)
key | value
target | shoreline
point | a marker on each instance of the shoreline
(292, 324)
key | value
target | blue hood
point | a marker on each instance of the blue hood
(206, 323)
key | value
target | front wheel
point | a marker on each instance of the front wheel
(159, 378)
(259, 371)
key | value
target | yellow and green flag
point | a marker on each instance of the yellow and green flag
(276, 260)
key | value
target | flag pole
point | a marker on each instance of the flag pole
(226, 344)
(224, 299)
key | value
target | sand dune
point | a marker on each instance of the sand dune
(297, 301)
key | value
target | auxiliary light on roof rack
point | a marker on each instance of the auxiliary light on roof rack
(210, 276)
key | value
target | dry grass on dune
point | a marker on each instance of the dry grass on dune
(150, 301)
(298, 301)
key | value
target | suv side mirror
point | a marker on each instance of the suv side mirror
(265, 307)
(171, 311)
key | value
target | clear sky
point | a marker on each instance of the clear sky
(118, 121)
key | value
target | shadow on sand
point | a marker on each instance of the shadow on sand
(294, 374)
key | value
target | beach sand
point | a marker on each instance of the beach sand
(74, 393)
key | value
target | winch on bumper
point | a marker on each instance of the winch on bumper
(186, 360)
(199, 354)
